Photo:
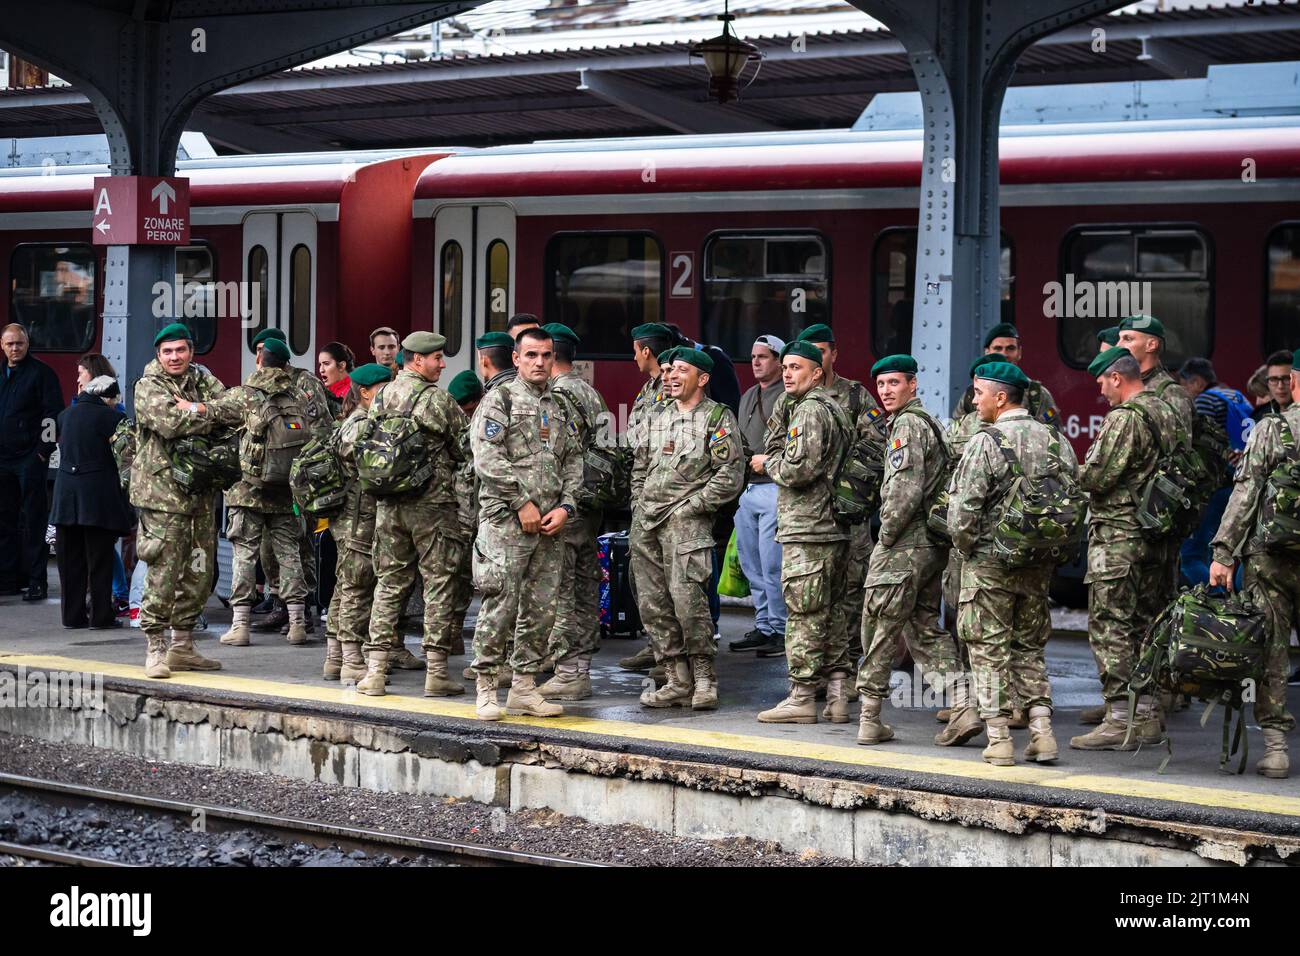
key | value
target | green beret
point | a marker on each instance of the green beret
(802, 349)
(559, 330)
(464, 387)
(422, 343)
(1106, 359)
(370, 374)
(985, 360)
(701, 360)
(1143, 323)
(399, 358)
(821, 332)
(894, 363)
(268, 334)
(276, 347)
(651, 330)
(1003, 372)
(172, 333)
(1003, 330)
(1295, 361)
(494, 340)
(1110, 336)
(666, 356)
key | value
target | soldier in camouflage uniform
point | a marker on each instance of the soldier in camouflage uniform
(1273, 580)
(467, 390)
(354, 533)
(529, 467)
(688, 464)
(495, 362)
(576, 634)
(173, 400)
(903, 587)
(803, 461)
(1003, 340)
(1003, 617)
(420, 528)
(1125, 569)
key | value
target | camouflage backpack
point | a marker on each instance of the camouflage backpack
(205, 462)
(123, 444)
(1279, 510)
(1207, 644)
(392, 451)
(273, 439)
(1041, 519)
(317, 479)
(855, 484)
(606, 469)
(1166, 503)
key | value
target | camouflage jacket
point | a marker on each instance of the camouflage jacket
(802, 462)
(589, 420)
(436, 413)
(1039, 404)
(916, 461)
(317, 401)
(983, 477)
(524, 451)
(466, 485)
(1166, 387)
(681, 466)
(361, 508)
(246, 401)
(1265, 450)
(500, 378)
(870, 423)
(962, 429)
(158, 421)
(1120, 461)
(650, 399)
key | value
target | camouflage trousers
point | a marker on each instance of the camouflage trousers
(951, 593)
(518, 575)
(306, 559)
(577, 603)
(1275, 585)
(672, 564)
(859, 554)
(813, 584)
(1126, 591)
(1004, 623)
(178, 551)
(901, 596)
(464, 594)
(354, 585)
(411, 534)
(247, 528)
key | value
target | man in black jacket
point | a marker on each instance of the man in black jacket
(29, 407)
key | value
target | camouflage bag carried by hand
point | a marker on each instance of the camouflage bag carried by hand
(317, 479)
(205, 462)
(392, 451)
(1041, 518)
(123, 444)
(1279, 511)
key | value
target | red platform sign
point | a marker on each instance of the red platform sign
(141, 211)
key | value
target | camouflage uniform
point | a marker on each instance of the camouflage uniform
(523, 451)
(467, 513)
(1126, 572)
(1167, 388)
(902, 590)
(354, 534)
(815, 547)
(963, 427)
(1039, 404)
(1003, 617)
(683, 472)
(422, 528)
(177, 532)
(1273, 580)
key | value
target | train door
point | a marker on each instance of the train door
(280, 263)
(474, 289)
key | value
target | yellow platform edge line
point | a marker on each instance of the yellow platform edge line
(881, 758)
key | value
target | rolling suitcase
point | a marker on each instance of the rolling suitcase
(618, 613)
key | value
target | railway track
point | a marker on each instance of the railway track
(226, 819)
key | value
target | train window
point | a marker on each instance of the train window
(756, 284)
(1113, 271)
(1282, 289)
(451, 273)
(259, 273)
(300, 299)
(52, 294)
(498, 285)
(602, 285)
(202, 307)
(892, 281)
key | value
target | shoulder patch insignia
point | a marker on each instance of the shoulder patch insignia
(719, 435)
(573, 427)
(1049, 415)
(794, 433)
(492, 429)
(874, 413)
(897, 443)
(896, 458)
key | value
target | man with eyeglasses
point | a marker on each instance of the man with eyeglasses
(1279, 381)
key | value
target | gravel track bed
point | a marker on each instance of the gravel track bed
(445, 818)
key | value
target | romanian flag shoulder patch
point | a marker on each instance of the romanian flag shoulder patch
(719, 435)
(795, 432)
(295, 424)
(874, 413)
(896, 444)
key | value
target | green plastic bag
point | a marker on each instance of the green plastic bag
(732, 582)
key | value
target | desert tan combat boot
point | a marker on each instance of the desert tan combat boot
(182, 656)
(437, 682)
(571, 681)
(237, 636)
(354, 665)
(964, 724)
(1001, 751)
(837, 700)
(642, 660)
(1110, 734)
(155, 659)
(333, 659)
(705, 694)
(1150, 723)
(1274, 764)
(1042, 743)
(523, 699)
(1091, 716)
(401, 657)
(871, 729)
(297, 633)
(485, 704)
(799, 707)
(372, 685)
(676, 692)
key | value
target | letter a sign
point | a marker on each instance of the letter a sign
(141, 211)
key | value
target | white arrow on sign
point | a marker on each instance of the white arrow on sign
(102, 225)
(163, 192)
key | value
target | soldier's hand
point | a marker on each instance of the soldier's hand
(1220, 576)
(553, 522)
(530, 519)
(757, 464)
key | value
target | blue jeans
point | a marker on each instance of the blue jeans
(1195, 553)
(760, 555)
(121, 587)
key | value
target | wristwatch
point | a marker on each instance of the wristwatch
(569, 510)
(194, 408)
